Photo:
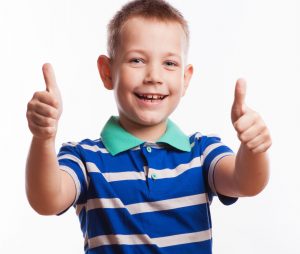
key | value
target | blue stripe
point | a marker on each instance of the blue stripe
(176, 221)
(111, 221)
(199, 248)
(130, 249)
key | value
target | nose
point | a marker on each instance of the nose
(153, 75)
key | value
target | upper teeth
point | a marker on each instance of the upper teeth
(152, 96)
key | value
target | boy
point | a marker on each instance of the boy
(144, 186)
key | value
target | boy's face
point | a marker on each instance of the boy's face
(148, 74)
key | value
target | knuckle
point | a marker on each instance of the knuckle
(256, 117)
(37, 95)
(49, 131)
(30, 105)
(55, 103)
(238, 127)
(249, 145)
(28, 114)
(243, 138)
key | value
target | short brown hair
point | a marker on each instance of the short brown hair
(152, 9)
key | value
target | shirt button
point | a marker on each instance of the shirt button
(154, 176)
(149, 149)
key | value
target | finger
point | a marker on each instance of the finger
(238, 106)
(43, 109)
(252, 132)
(40, 120)
(262, 147)
(258, 140)
(46, 98)
(246, 121)
(49, 77)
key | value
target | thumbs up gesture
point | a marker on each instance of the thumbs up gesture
(45, 107)
(250, 127)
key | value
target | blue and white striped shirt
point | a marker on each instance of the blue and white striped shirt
(144, 197)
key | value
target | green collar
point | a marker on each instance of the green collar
(116, 139)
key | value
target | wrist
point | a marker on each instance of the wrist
(44, 142)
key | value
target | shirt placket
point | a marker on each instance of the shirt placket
(150, 173)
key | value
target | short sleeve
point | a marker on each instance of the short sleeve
(70, 161)
(212, 151)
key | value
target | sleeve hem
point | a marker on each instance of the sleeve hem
(211, 170)
(75, 179)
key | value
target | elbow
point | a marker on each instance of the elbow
(251, 191)
(43, 207)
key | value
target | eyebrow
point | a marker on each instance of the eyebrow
(143, 52)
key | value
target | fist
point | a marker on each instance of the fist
(45, 107)
(250, 127)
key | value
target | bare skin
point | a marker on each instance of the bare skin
(248, 173)
(49, 189)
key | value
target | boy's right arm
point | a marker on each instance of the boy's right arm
(49, 189)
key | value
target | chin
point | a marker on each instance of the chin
(150, 120)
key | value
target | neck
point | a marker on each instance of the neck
(150, 133)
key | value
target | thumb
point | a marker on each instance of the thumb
(239, 105)
(49, 77)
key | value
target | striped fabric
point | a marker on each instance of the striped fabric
(152, 198)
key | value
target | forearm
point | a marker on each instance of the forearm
(251, 171)
(43, 177)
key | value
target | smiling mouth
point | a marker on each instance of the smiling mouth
(151, 97)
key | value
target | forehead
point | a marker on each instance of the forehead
(150, 33)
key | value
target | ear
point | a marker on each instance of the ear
(188, 72)
(104, 68)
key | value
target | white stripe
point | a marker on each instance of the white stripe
(198, 135)
(210, 148)
(118, 239)
(116, 176)
(213, 135)
(104, 203)
(182, 238)
(70, 144)
(135, 148)
(167, 204)
(122, 176)
(137, 239)
(92, 167)
(144, 207)
(78, 161)
(94, 148)
(170, 173)
(212, 168)
(79, 208)
(193, 144)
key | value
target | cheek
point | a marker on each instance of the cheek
(177, 84)
(128, 79)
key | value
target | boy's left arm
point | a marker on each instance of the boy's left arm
(247, 173)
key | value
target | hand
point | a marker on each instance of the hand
(251, 129)
(45, 107)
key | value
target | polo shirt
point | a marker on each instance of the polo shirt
(134, 196)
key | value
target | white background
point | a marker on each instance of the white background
(255, 39)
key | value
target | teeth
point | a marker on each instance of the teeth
(151, 96)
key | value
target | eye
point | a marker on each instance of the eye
(136, 61)
(170, 64)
